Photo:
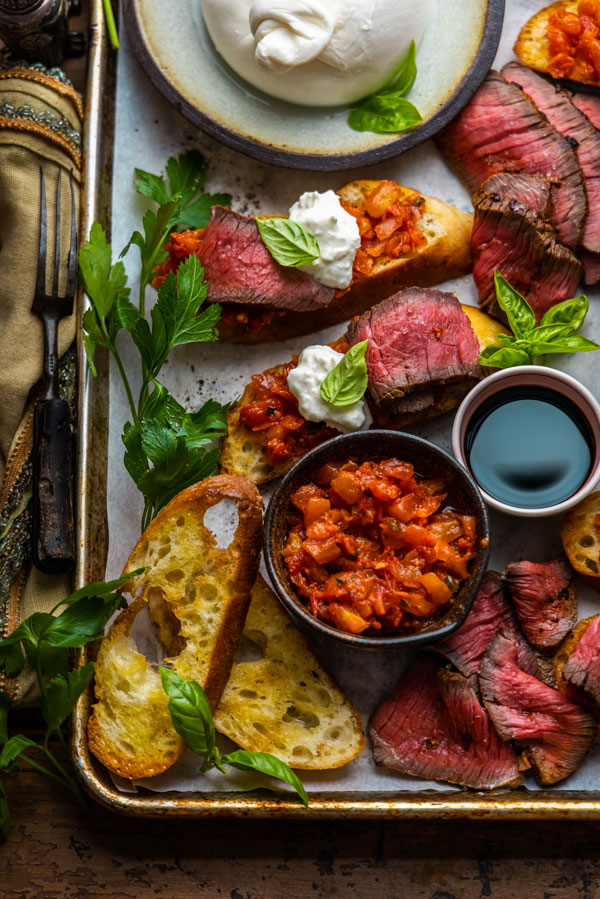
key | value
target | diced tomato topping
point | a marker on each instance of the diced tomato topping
(574, 42)
(371, 546)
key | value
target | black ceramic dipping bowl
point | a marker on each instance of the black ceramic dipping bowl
(362, 446)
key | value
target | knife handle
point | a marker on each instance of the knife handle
(53, 524)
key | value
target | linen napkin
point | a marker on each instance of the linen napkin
(40, 126)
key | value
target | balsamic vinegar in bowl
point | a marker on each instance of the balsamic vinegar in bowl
(529, 446)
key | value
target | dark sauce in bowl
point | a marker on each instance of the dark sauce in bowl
(529, 447)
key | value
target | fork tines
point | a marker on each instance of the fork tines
(52, 302)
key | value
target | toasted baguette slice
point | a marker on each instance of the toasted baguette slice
(285, 703)
(531, 47)
(204, 593)
(580, 537)
(447, 255)
(242, 454)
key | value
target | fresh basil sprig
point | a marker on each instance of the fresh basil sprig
(346, 383)
(193, 721)
(289, 243)
(554, 334)
(46, 640)
(388, 110)
(166, 448)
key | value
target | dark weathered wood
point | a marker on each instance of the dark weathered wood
(53, 526)
(56, 851)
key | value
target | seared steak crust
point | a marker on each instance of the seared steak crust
(240, 269)
(435, 727)
(544, 599)
(501, 130)
(554, 732)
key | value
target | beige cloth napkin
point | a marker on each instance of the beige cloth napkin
(40, 126)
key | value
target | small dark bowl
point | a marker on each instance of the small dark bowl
(361, 446)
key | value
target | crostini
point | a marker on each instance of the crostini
(561, 40)
(432, 350)
(406, 239)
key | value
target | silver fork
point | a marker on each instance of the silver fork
(53, 520)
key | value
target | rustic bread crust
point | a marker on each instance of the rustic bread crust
(531, 46)
(581, 538)
(562, 654)
(446, 256)
(201, 594)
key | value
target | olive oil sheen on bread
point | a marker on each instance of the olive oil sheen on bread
(529, 446)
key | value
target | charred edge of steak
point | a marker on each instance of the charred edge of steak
(582, 668)
(544, 600)
(522, 190)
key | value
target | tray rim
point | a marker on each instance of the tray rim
(93, 541)
(266, 153)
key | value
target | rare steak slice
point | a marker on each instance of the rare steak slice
(510, 237)
(583, 665)
(589, 105)
(591, 267)
(240, 269)
(501, 130)
(544, 600)
(435, 727)
(490, 613)
(576, 128)
(422, 355)
(554, 732)
(531, 191)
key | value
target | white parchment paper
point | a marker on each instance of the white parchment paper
(148, 132)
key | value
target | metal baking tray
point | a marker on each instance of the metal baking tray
(93, 543)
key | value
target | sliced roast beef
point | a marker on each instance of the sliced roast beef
(591, 267)
(589, 105)
(544, 600)
(501, 130)
(531, 191)
(513, 239)
(490, 613)
(583, 666)
(435, 727)
(422, 354)
(555, 104)
(554, 732)
(240, 269)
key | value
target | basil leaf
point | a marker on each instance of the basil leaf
(574, 344)
(288, 242)
(266, 764)
(384, 113)
(190, 712)
(546, 333)
(346, 383)
(520, 315)
(101, 588)
(570, 312)
(81, 622)
(503, 357)
(62, 693)
(404, 78)
(505, 339)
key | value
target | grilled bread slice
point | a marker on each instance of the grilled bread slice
(285, 703)
(531, 47)
(446, 255)
(580, 535)
(202, 593)
(242, 453)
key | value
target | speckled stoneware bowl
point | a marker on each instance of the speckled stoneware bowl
(176, 53)
(429, 461)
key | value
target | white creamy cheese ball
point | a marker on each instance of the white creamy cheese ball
(305, 381)
(336, 232)
(315, 52)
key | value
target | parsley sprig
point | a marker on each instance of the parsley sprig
(554, 334)
(166, 448)
(192, 719)
(46, 639)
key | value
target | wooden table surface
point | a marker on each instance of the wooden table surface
(57, 851)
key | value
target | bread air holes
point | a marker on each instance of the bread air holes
(593, 566)
(175, 575)
(586, 541)
(300, 716)
(260, 728)
(164, 549)
(302, 753)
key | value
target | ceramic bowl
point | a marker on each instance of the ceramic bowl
(362, 446)
(530, 375)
